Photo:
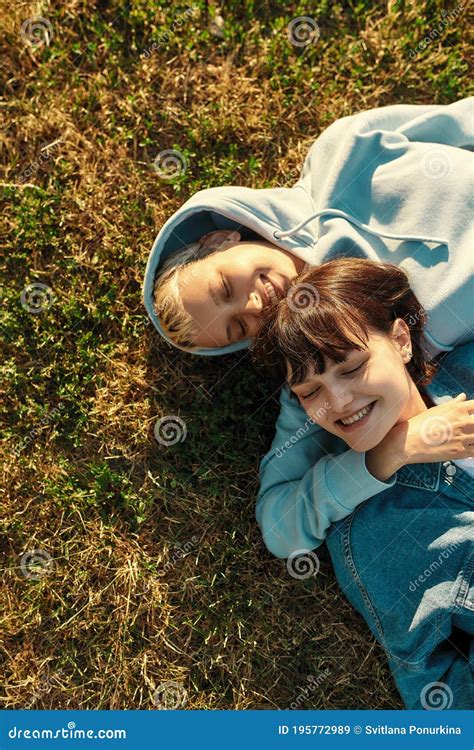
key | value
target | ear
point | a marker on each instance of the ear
(218, 238)
(401, 336)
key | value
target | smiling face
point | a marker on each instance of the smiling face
(371, 390)
(226, 292)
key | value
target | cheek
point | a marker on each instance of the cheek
(319, 412)
(379, 381)
(394, 390)
(393, 397)
(243, 273)
(254, 326)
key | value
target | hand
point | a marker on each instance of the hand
(442, 433)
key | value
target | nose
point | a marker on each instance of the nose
(340, 398)
(254, 304)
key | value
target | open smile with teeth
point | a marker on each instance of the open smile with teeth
(270, 290)
(357, 416)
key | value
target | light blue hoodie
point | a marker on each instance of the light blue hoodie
(392, 184)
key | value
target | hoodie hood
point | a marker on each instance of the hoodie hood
(255, 213)
(372, 185)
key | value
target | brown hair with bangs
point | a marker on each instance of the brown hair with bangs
(330, 308)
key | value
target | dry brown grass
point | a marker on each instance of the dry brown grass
(122, 607)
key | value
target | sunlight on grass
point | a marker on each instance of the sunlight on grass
(155, 568)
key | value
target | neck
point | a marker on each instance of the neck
(297, 262)
(417, 403)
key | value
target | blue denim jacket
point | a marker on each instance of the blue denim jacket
(405, 560)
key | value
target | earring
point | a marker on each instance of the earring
(407, 353)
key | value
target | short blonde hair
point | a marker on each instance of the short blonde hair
(176, 323)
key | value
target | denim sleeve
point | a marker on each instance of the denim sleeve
(308, 480)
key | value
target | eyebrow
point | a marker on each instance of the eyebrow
(217, 301)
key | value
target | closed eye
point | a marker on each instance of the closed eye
(228, 295)
(354, 370)
(349, 372)
(226, 288)
(308, 395)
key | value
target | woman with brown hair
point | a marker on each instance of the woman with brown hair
(348, 341)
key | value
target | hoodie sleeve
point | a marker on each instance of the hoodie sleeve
(444, 124)
(307, 483)
(450, 125)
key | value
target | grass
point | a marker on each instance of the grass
(151, 566)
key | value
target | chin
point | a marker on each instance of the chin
(361, 446)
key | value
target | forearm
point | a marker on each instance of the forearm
(297, 513)
(390, 454)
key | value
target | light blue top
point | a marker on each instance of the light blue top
(392, 184)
